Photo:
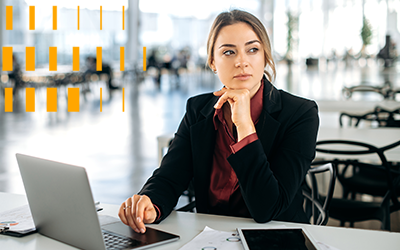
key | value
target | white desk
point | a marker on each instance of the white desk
(375, 136)
(188, 225)
(355, 106)
(163, 142)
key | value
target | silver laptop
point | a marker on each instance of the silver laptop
(62, 207)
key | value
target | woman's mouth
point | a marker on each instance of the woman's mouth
(242, 77)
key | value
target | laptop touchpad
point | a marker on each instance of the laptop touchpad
(151, 235)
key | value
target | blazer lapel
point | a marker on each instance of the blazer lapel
(203, 135)
(267, 126)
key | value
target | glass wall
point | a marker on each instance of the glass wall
(333, 28)
(87, 38)
(318, 29)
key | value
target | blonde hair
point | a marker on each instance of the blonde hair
(236, 16)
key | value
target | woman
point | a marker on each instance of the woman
(247, 147)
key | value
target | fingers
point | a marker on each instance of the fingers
(150, 216)
(130, 212)
(223, 98)
(232, 96)
(145, 212)
(220, 102)
(121, 214)
(221, 91)
(136, 211)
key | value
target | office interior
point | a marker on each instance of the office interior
(321, 48)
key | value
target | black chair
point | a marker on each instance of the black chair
(386, 90)
(378, 179)
(383, 117)
(188, 207)
(317, 205)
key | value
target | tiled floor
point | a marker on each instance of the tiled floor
(119, 149)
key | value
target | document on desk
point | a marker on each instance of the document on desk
(17, 221)
(210, 239)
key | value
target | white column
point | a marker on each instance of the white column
(391, 21)
(2, 28)
(132, 46)
(266, 16)
(325, 10)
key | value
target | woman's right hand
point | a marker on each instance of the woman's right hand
(136, 211)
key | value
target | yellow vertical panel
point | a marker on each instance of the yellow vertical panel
(8, 100)
(78, 17)
(101, 17)
(54, 17)
(30, 58)
(53, 58)
(101, 99)
(51, 99)
(144, 58)
(73, 99)
(99, 56)
(123, 17)
(122, 58)
(123, 99)
(32, 17)
(7, 59)
(9, 17)
(30, 100)
(75, 58)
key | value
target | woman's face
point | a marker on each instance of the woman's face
(239, 57)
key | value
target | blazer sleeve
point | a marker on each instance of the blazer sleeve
(168, 181)
(269, 184)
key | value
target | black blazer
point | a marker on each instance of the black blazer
(270, 170)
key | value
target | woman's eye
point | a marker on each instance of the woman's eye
(252, 50)
(228, 52)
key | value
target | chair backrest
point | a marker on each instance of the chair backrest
(383, 117)
(379, 170)
(315, 204)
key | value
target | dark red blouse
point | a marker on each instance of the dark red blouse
(225, 196)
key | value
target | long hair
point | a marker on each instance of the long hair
(236, 16)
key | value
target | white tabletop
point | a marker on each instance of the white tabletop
(377, 137)
(188, 225)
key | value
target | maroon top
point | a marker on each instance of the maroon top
(225, 196)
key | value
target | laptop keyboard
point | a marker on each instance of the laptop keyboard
(114, 241)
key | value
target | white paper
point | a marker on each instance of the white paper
(325, 246)
(210, 239)
(18, 219)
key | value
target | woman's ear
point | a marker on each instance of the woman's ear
(212, 66)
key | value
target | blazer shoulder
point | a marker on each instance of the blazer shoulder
(200, 99)
(203, 103)
(296, 103)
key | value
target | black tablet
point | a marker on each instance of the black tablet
(276, 238)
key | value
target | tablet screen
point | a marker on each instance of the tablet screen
(285, 238)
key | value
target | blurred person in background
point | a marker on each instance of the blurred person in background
(91, 63)
(16, 75)
(153, 62)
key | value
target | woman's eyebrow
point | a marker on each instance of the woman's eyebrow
(252, 41)
(232, 45)
(226, 45)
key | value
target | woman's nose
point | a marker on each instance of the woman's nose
(241, 61)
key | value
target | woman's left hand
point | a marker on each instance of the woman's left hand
(239, 101)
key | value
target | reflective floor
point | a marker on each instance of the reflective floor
(118, 146)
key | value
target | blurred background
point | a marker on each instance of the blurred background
(341, 53)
